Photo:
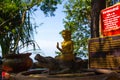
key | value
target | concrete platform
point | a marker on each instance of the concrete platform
(75, 76)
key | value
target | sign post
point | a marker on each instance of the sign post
(104, 52)
(110, 20)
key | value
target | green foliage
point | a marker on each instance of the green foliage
(111, 2)
(49, 5)
(15, 21)
(78, 21)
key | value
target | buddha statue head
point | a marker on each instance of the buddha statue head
(66, 34)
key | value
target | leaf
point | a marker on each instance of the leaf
(6, 27)
(15, 21)
(77, 20)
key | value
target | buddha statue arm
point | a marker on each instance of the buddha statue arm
(59, 47)
(66, 50)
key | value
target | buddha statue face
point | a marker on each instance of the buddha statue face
(66, 34)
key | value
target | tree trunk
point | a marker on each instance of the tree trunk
(97, 6)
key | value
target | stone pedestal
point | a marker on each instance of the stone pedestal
(75, 76)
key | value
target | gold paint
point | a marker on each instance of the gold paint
(67, 47)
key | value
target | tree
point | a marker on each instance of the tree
(82, 18)
(77, 20)
(15, 21)
(97, 6)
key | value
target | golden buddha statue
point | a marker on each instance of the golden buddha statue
(67, 47)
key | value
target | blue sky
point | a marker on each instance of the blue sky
(48, 33)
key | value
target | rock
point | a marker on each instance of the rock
(46, 62)
(59, 66)
(112, 76)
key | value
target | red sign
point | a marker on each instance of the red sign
(110, 20)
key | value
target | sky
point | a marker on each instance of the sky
(48, 33)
